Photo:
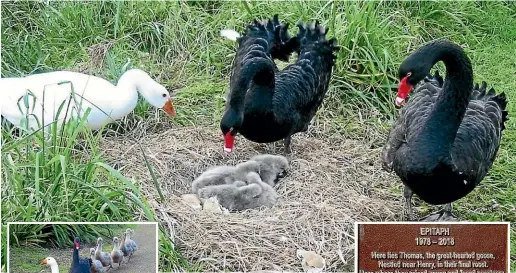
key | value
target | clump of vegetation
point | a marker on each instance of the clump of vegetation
(59, 176)
(59, 235)
(178, 43)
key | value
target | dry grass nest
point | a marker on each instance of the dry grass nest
(332, 182)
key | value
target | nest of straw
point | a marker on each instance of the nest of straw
(332, 182)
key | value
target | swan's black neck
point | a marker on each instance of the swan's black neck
(252, 79)
(249, 80)
(75, 258)
(437, 135)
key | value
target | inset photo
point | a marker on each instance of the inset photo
(82, 247)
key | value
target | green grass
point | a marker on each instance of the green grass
(63, 178)
(179, 44)
(34, 257)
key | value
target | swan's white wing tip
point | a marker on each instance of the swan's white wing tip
(230, 34)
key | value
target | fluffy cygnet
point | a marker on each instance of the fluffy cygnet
(239, 196)
(272, 167)
(221, 175)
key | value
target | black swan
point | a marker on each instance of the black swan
(79, 265)
(448, 134)
(265, 104)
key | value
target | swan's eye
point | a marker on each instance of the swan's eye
(409, 74)
(164, 95)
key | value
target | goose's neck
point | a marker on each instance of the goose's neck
(127, 87)
(439, 130)
(54, 268)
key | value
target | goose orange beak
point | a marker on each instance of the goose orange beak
(43, 262)
(169, 108)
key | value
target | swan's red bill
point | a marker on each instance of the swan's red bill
(43, 262)
(77, 245)
(399, 101)
(229, 142)
(169, 108)
(404, 89)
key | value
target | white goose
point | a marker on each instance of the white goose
(48, 91)
(52, 263)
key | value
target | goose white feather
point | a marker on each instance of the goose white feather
(30, 101)
(52, 263)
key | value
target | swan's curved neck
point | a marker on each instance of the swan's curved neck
(253, 80)
(439, 130)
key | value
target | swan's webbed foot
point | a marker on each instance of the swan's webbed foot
(443, 215)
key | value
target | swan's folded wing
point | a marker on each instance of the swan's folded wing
(478, 138)
(418, 108)
(410, 121)
(395, 139)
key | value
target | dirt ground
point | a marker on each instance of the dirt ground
(144, 260)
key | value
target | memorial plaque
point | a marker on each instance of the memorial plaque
(432, 247)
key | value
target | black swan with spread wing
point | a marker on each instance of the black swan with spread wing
(265, 104)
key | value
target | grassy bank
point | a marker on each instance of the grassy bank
(178, 43)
